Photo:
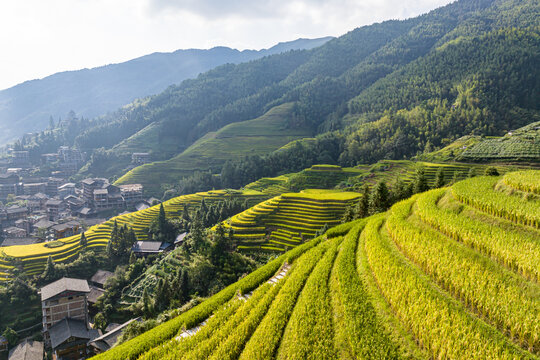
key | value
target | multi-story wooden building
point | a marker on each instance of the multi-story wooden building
(64, 298)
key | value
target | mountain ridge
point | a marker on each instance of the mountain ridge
(91, 92)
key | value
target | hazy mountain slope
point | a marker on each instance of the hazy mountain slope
(91, 92)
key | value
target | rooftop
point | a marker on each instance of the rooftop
(27, 350)
(131, 187)
(64, 284)
(19, 241)
(147, 246)
(107, 340)
(44, 223)
(67, 328)
(101, 276)
(94, 294)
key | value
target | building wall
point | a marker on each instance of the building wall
(74, 306)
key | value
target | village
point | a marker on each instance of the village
(47, 208)
(67, 306)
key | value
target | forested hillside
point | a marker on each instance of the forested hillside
(27, 107)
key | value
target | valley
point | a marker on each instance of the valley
(370, 195)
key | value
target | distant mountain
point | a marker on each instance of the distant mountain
(27, 107)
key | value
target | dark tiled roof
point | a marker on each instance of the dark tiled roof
(53, 202)
(15, 210)
(44, 223)
(101, 276)
(107, 340)
(66, 328)
(28, 350)
(19, 241)
(64, 284)
(94, 294)
(147, 246)
(180, 238)
(85, 211)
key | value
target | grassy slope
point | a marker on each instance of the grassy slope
(253, 137)
(401, 260)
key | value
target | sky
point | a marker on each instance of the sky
(39, 38)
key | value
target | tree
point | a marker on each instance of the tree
(400, 190)
(185, 215)
(147, 303)
(491, 171)
(455, 178)
(50, 272)
(163, 295)
(162, 218)
(83, 242)
(362, 207)
(322, 230)
(100, 322)
(439, 178)
(348, 215)
(11, 336)
(220, 246)
(184, 286)
(472, 173)
(196, 239)
(420, 181)
(380, 198)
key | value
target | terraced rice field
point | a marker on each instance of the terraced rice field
(288, 220)
(452, 273)
(34, 257)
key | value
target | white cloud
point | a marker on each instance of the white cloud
(38, 38)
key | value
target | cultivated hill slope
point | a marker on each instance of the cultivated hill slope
(258, 136)
(394, 88)
(92, 92)
(451, 273)
(34, 257)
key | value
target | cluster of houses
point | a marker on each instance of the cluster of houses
(63, 163)
(67, 306)
(35, 209)
(46, 209)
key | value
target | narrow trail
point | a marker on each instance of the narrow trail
(273, 280)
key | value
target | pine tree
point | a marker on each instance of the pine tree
(439, 178)
(184, 286)
(348, 215)
(380, 198)
(420, 183)
(147, 306)
(50, 270)
(185, 215)
(132, 258)
(162, 219)
(83, 242)
(455, 178)
(398, 190)
(362, 208)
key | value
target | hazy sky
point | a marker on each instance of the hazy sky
(41, 37)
